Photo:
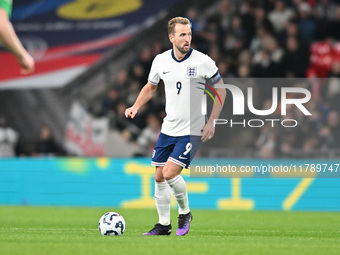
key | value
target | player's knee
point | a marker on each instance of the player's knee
(158, 174)
(168, 174)
(159, 177)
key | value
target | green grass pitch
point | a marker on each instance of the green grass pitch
(73, 230)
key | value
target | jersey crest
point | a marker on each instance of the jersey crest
(192, 71)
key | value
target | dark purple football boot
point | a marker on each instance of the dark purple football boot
(184, 221)
(159, 230)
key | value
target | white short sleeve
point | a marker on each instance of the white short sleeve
(210, 68)
(154, 76)
(211, 71)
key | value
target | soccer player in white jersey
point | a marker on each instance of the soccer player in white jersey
(178, 141)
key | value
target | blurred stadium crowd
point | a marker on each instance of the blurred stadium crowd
(10, 145)
(249, 39)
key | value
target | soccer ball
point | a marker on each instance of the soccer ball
(111, 224)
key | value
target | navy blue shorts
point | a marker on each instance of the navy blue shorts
(178, 149)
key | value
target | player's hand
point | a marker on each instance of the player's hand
(27, 63)
(131, 112)
(208, 132)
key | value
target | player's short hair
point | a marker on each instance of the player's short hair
(178, 20)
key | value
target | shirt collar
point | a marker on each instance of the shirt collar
(185, 57)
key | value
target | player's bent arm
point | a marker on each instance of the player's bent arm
(144, 96)
(10, 40)
(217, 108)
(209, 129)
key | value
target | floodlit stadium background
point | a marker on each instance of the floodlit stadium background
(91, 65)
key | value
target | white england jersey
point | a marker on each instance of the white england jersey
(180, 120)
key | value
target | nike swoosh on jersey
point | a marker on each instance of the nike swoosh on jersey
(166, 72)
(182, 157)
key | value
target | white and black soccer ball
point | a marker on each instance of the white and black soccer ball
(111, 224)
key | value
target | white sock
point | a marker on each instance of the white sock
(163, 201)
(180, 192)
